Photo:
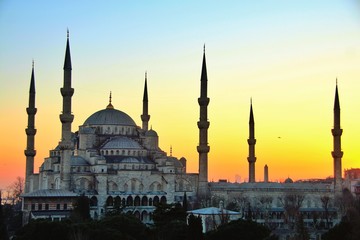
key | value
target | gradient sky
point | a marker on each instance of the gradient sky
(286, 55)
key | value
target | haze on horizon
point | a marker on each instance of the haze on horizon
(285, 55)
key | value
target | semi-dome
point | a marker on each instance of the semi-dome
(110, 116)
(151, 133)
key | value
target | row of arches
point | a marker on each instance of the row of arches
(134, 185)
(135, 201)
(130, 201)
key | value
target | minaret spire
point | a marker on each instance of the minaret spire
(203, 125)
(30, 151)
(251, 141)
(66, 118)
(110, 106)
(337, 153)
(145, 117)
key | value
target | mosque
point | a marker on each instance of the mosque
(115, 162)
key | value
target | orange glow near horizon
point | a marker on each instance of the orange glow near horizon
(286, 57)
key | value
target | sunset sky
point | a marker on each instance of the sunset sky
(285, 55)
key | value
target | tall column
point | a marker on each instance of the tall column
(66, 118)
(251, 141)
(337, 153)
(145, 117)
(30, 151)
(266, 174)
(203, 125)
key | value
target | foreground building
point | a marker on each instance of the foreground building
(115, 162)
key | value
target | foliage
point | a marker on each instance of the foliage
(3, 230)
(301, 231)
(81, 211)
(240, 229)
(165, 213)
(114, 227)
(349, 227)
(195, 228)
(44, 230)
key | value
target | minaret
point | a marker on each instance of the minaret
(203, 125)
(337, 153)
(266, 174)
(66, 118)
(251, 141)
(30, 151)
(145, 117)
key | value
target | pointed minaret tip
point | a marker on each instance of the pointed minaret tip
(67, 62)
(337, 102)
(110, 106)
(204, 48)
(32, 81)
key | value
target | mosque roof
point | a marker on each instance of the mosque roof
(78, 161)
(50, 193)
(127, 159)
(110, 116)
(151, 133)
(212, 210)
(121, 142)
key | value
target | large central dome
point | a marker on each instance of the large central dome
(110, 116)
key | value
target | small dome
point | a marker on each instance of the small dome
(289, 180)
(151, 133)
(110, 116)
(121, 143)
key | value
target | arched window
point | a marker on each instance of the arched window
(109, 201)
(137, 214)
(137, 201)
(144, 201)
(93, 201)
(156, 201)
(163, 200)
(129, 201)
(117, 201)
(150, 202)
(144, 216)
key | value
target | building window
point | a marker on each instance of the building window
(65, 206)
(46, 206)
(33, 206)
(39, 206)
(58, 206)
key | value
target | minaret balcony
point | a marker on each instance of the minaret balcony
(145, 118)
(337, 154)
(66, 118)
(30, 131)
(203, 149)
(30, 152)
(203, 101)
(336, 132)
(67, 92)
(251, 141)
(203, 124)
(31, 111)
(251, 159)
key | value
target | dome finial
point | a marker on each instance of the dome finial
(110, 106)
(67, 33)
(170, 150)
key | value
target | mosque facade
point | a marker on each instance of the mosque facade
(113, 161)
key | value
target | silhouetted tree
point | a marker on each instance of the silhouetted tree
(195, 228)
(81, 211)
(240, 230)
(185, 203)
(3, 228)
(301, 231)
